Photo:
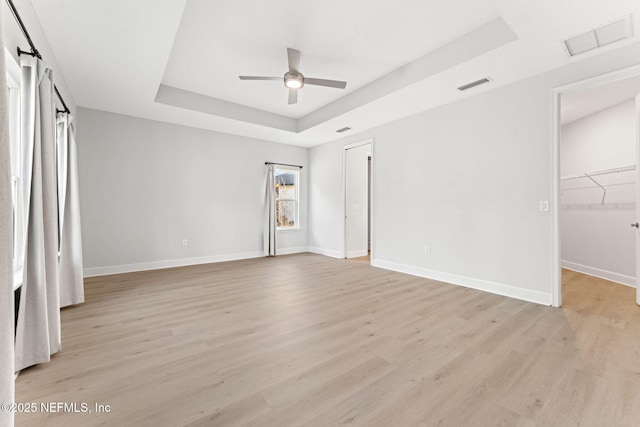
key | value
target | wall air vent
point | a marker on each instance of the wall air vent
(474, 84)
(617, 30)
(344, 129)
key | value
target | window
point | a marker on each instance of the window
(15, 155)
(287, 193)
(15, 148)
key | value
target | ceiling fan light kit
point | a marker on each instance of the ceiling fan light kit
(294, 80)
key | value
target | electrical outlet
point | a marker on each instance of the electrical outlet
(427, 250)
(184, 242)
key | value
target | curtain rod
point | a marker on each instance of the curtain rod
(34, 50)
(282, 164)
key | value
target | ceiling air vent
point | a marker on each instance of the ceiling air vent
(617, 30)
(474, 84)
(344, 129)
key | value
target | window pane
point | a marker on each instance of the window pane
(16, 187)
(285, 185)
(287, 192)
(286, 213)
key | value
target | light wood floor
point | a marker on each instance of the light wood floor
(306, 340)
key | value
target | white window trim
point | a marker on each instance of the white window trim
(13, 77)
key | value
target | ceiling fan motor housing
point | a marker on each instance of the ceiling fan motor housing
(293, 80)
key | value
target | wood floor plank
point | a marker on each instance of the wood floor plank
(236, 414)
(310, 340)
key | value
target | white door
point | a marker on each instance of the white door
(356, 200)
(637, 116)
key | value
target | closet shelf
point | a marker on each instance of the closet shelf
(602, 179)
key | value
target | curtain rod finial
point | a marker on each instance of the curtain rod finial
(34, 52)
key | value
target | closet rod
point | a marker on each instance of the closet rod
(602, 172)
(34, 50)
(282, 164)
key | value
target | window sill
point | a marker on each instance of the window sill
(289, 229)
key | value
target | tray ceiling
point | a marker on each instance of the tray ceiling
(179, 60)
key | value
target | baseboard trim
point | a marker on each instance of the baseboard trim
(289, 251)
(602, 274)
(182, 262)
(325, 252)
(357, 254)
(468, 282)
(156, 265)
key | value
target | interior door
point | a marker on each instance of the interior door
(356, 201)
(637, 117)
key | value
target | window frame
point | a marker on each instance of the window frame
(296, 200)
(16, 153)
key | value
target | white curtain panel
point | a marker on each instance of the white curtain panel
(270, 214)
(6, 255)
(38, 327)
(62, 156)
(71, 283)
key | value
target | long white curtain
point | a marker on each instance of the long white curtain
(71, 284)
(38, 327)
(6, 251)
(270, 213)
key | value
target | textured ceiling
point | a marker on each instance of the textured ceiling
(179, 60)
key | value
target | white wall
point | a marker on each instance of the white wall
(597, 239)
(465, 179)
(604, 140)
(146, 185)
(326, 200)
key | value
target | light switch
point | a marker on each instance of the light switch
(544, 205)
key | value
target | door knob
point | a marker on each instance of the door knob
(636, 225)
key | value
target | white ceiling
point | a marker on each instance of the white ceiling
(178, 60)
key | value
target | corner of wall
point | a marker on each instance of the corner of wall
(325, 252)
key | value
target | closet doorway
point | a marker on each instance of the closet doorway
(598, 145)
(357, 199)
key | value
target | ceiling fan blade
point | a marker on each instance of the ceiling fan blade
(293, 96)
(259, 78)
(294, 59)
(323, 82)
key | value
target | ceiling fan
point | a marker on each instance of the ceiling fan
(294, 80)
